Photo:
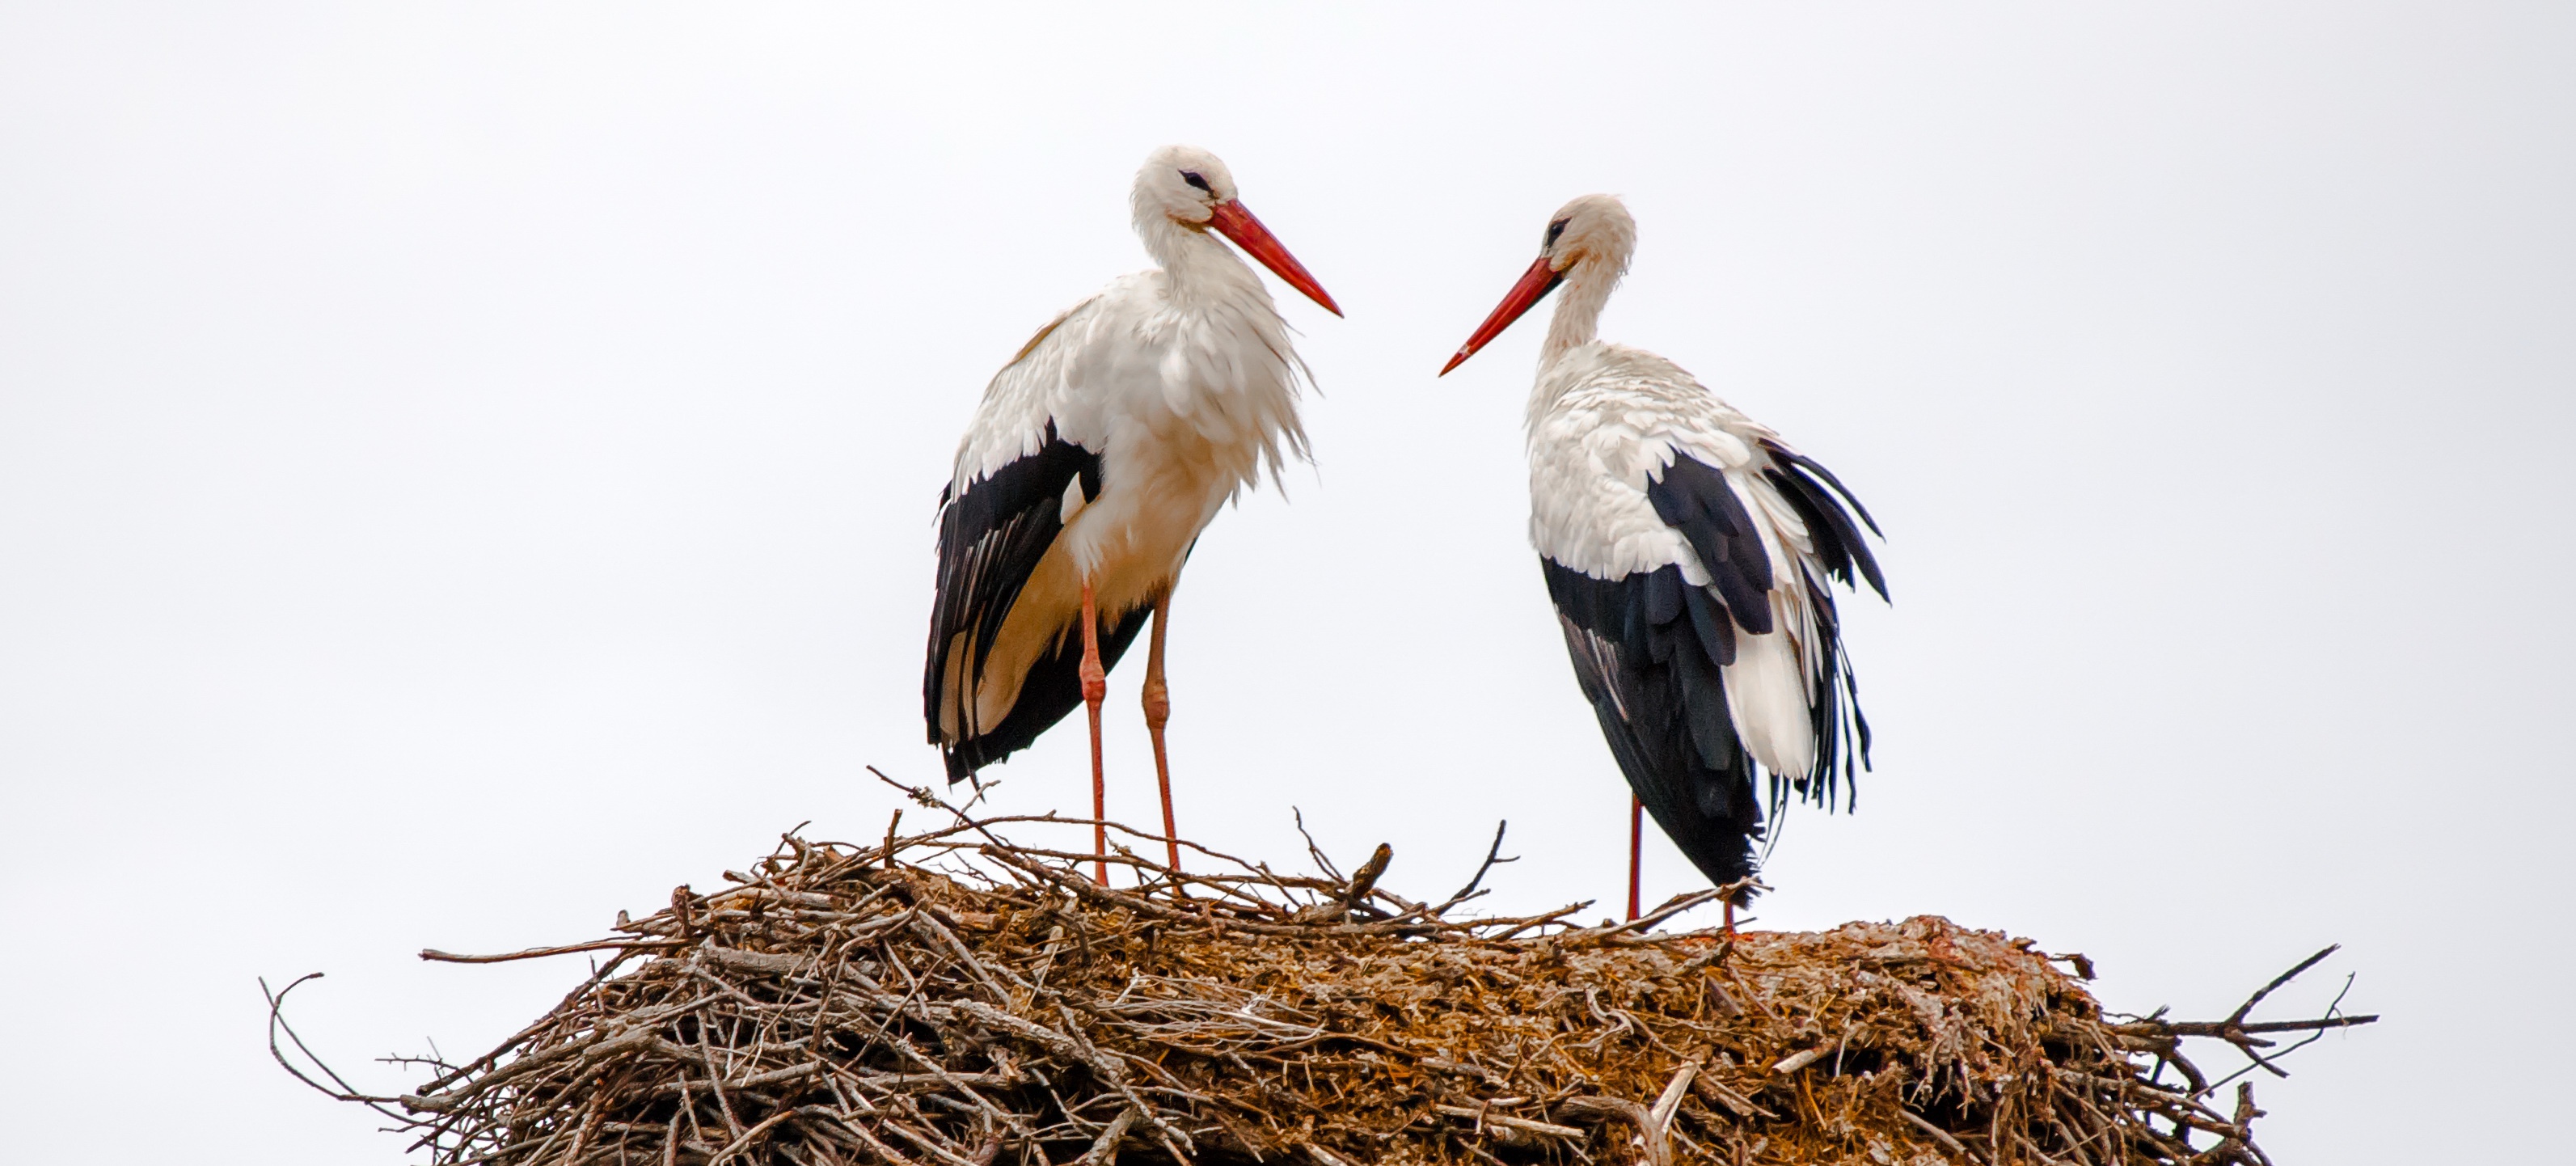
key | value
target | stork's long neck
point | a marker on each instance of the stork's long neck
(1577, 322)
(1202, 269)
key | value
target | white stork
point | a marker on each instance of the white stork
(1687, 549)
(1098, 455)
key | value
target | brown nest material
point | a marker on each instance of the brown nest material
(948, 999)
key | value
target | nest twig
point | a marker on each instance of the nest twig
(949, 999)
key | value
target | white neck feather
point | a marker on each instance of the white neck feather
(1577, 322)
(1200, 266)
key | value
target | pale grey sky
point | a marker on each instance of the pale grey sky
(466, 469)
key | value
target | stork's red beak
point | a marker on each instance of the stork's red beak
(1237, 224)
(1535, 283)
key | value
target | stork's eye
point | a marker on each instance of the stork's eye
(1192, 177)
(1553, 230)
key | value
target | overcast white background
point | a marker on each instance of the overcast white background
(464, 470)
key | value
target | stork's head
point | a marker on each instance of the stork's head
(1588, 242)
(1192, 189)
(1594, 230)
(1183, 184)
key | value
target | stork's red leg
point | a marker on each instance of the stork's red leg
(1158, 709)
(1636, 849)
(1095, 688)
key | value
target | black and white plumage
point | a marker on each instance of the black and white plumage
(992, 539)
(1097, 456)
(1690, 553)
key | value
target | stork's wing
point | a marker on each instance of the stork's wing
(1017, 479)
(990, 539)
(1648, 650)
(1695, 683)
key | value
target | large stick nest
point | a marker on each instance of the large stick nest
(948, 999)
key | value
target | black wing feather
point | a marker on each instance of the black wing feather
(1694, 498)
(990, 540)
(1647, 661)
(1838, 543)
